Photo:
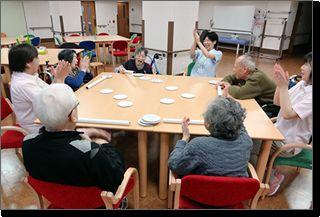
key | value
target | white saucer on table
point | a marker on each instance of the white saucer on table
(125, 104)
(106, 76)
(138, 74)
(151, 118)
(156, 80)
(214, 82)
(145, 78)
(188, 95)
(167, 100)
(142, 123)
(171, 88)
(106, 91)
(120, 96)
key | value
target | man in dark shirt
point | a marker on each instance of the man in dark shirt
(138, 64)
(60, 154)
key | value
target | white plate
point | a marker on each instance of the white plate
(140, 122)
(188, 95)
(105, 91)
(145, 78)
(155, 80)
(167, 100)
(213, 82)
(120, 96)
(129, 71)
(151, 118)
(138, 74)
(125, 103)
(171, 88)
(107, 76)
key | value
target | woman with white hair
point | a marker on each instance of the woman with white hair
(225, 152)
(60, 154)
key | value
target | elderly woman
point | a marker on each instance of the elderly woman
(206, 57)
(138, 64)
(77, 75)
(225, 152)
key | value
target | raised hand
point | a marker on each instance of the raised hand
(185, 129)
(280, 77)
(61, 71)
(84, 64)
(196, 36)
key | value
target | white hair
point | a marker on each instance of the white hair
(54, 104)
(247, 61)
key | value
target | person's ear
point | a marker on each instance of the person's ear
(28, 65)
(74, 116)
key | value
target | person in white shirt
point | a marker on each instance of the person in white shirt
(206, 57)
(294, 120)
(26, 84)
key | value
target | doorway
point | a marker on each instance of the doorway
(123, 19)
(88, 17)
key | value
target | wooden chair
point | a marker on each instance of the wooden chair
(187, 71)
(13, 135)
(205, 192)
(78, 197)
(3, 35)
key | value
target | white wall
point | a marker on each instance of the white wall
(274, 27)
(135, 16)
(106, 16)
(13, 21)
(37, 16)
(156, 15)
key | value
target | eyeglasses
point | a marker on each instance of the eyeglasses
(73, 108)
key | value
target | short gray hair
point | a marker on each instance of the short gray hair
(247, 61)
(224, 117)
(54, 104)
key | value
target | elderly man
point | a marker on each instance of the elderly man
(248, 82)
(60, 154)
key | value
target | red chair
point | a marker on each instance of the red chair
(134, 44)
(13, 135)
(119, 49)
(205, 192)
(103, 33)
(78, 197)
(74, 35)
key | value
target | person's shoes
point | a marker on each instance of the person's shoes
(124, 203)
(275, 183)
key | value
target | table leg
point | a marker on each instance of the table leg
(6, 77)
(97, 52)
(104, 54)
(163, 174)
(263, 159)
(142, 153)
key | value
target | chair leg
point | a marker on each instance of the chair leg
(298, 169)
(170, 198)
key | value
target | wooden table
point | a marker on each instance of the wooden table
(146, 98)
(103, 39)
(7, 41)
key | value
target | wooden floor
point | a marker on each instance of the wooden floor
(294, 193)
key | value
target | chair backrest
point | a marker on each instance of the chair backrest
(68, 196)
(218, 190)
(103, 33)
(35, 41)
(133, 36)
(3, 35)
(136, 40)
(120, 45)
(190, 67)
(74, 35)
(6, 109)
(87, 45)
(29, 35)
(69, 45)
